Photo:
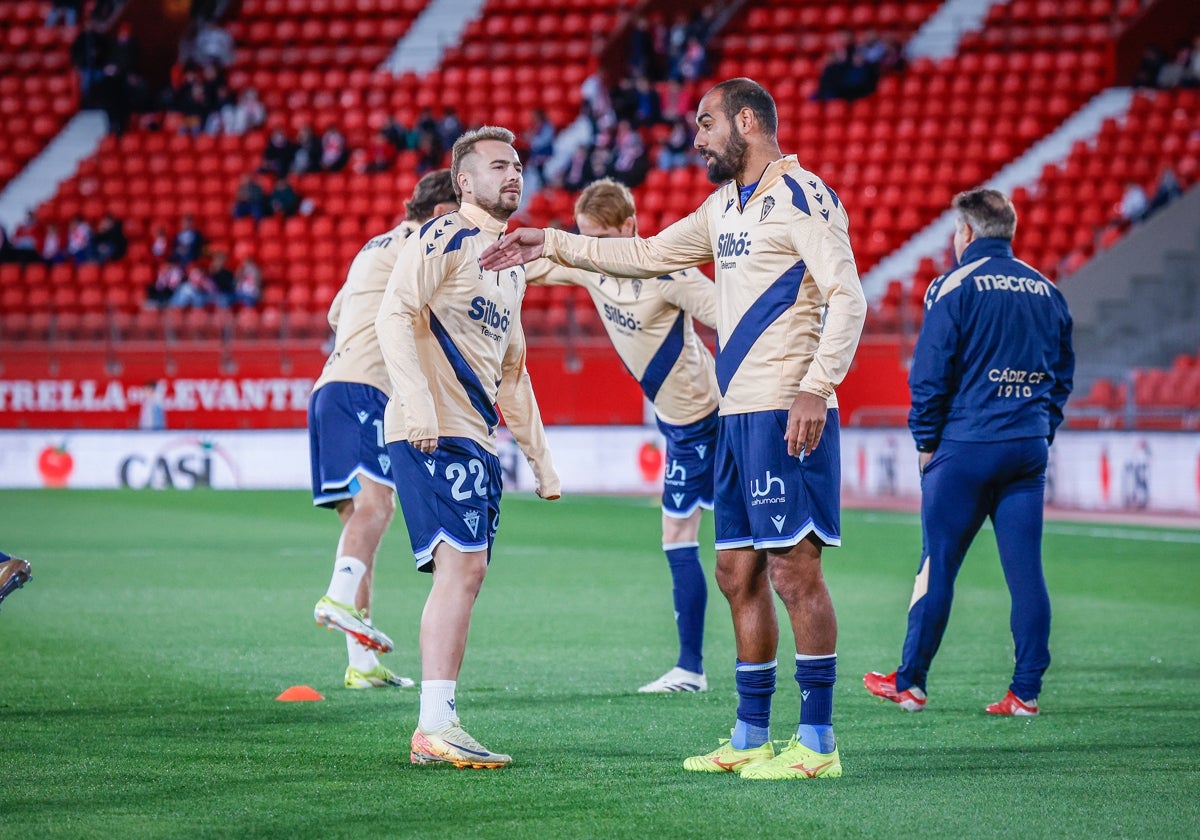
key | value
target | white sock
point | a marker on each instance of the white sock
(343, 586)
(361, 658)
(437, 704)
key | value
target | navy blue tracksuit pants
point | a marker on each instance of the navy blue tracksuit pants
(962, 485)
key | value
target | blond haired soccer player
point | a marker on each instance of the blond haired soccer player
(790, 310)
(452, 340)
(351, 470)
(650, 326)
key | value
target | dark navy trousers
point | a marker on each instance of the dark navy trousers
(963, 484)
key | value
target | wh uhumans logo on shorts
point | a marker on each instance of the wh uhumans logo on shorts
(758, 490)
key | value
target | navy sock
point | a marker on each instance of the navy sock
(755, 685)
(816, 676)
(690, 593)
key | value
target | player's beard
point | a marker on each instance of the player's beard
(501, 206)
(728, 164)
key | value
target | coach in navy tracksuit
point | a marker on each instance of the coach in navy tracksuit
(990, 375)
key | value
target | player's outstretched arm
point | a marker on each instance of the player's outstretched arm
(519, 246)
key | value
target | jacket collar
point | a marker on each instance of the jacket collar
(482, 219)
(986, 247)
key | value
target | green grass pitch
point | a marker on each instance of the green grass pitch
(138, 672)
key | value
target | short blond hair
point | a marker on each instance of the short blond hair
(607, 202)
(465, 144)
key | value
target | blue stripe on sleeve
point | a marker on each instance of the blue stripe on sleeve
(799, 199)
(664, 359)
(776, 300)
(466, 376)
(456, 241)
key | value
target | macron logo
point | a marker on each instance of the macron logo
(677, 498)
(362, 416)
(702, 450)
(778, 521)
(429, 465)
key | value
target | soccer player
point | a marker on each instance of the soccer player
(14, 573)
(350, 465)
(790, 310)
(650, 326)
(452, 340)
(991, 373)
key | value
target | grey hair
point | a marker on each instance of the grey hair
(990, 213)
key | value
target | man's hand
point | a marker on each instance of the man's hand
(806, 422)
(923, 459)
(521, 246)
(426, 445)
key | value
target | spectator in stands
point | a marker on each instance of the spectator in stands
(379, 155)
(246, 114)
(334, 154)
(52, 246)
(540, 140)
(624, 100)
(283, 199)
(160, 291)
(1134, 204)
(248, 286)
(89, 53)
(193, 103)
(677, 35)
(1177, 72)
(308, 151)
(189, 242)
(110, 242)
(160, 243)
(1167, 190)
(153, 415)
(831, 84)
(576, 175)
(25, 239)
(111, 94)
(449, 127)
(197, 289)
(678, 102)
(629, 164)
(676, 149)
(430, 152)
(648, 110)
(212, 45)
(250, 201)
(224, 283)
(1149, 67)
(278, 154)
(694, 63)
(64, 11)
(125, 51)
(642, 50)
(8, 254)
(79, 240)
(396, 133)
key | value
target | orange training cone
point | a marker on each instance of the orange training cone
(298, 693)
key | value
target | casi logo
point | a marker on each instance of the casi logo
(182, 464)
